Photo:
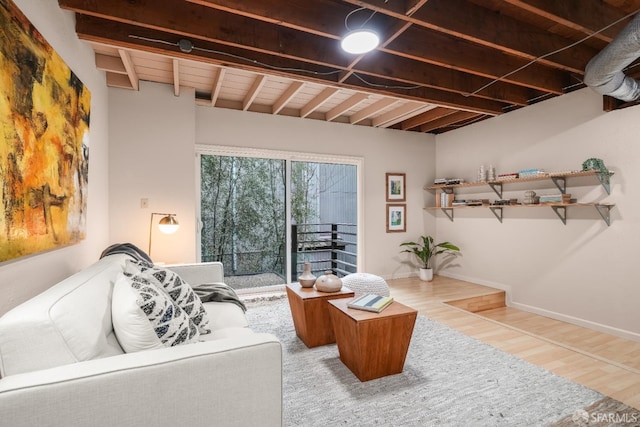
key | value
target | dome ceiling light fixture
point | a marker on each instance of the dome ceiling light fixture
(361, 40)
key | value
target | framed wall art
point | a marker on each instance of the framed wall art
(396, 187)
(396, 218)
(44, 152)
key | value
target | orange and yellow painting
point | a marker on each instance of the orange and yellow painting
(44, 150)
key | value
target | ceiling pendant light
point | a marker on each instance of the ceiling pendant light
(361, 40)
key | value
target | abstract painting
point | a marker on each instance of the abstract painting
(44, 146)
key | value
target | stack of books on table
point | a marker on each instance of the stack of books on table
(370, 302)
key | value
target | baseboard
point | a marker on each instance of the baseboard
(621, 333)
(399, 276)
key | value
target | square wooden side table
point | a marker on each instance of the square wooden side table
(373, 345)
(310, 313)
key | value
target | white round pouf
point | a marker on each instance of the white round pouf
(365, 283)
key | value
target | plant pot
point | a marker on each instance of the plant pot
(426, 274)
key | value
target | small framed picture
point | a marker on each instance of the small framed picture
(396, 218)
(396, 187)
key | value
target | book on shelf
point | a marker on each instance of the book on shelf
(370, 302)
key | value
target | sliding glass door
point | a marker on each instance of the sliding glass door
(242, 214)
(265, 217)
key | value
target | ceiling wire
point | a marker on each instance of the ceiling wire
(385, 86)
(346, 18)
(533, 61)
(186, 47)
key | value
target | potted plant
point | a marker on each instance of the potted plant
(425, 251)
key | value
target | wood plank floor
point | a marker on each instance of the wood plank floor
(600, 361)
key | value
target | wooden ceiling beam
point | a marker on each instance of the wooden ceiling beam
(286, 96)
(425, 117)
(217, 85)
(253, 92)
(387, 118)
(176, 76)
(584, 16)
(372, 109)
(129, 67)
(439, 49)
(118, 34)
(344, 106)
(317, 101)
(476, 24)
(408, 73)
(448, 120)
(274, 40)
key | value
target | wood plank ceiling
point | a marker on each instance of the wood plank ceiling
(442, 64)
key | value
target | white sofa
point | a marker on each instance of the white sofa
(61, 363)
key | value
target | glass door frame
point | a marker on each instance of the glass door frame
(288, 156)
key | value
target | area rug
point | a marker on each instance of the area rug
(449, 379)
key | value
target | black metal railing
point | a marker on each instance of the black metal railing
(325, 246)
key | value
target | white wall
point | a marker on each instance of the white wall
(152, 156)
(583, 271)
(153, 136)
(383, 150)
(21, 279)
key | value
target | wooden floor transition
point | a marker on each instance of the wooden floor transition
(599, 361)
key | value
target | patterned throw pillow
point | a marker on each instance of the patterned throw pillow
(144, 317)
(179, 291)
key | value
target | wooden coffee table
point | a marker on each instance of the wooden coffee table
(372, 345)
(310, 313)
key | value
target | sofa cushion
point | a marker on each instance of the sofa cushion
(225, 315)
(179, 291)
(145, 317)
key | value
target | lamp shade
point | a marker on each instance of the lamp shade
(168, 224)
(360, 41)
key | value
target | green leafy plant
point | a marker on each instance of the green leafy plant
(426, 250)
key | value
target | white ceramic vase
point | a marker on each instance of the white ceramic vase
(328, 282)
(307, 279)
(426, 274)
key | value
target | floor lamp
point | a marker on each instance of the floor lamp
(168, 225)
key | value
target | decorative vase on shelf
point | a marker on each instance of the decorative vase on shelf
(328, 282)
(307, 279)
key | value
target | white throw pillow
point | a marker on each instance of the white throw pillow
(180, 291)
(144, 317)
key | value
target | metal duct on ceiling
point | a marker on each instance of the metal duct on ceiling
(604, 73)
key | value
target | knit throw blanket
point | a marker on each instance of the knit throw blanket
(218, 292)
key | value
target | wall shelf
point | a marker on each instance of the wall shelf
(558, 179)
(603, 209)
